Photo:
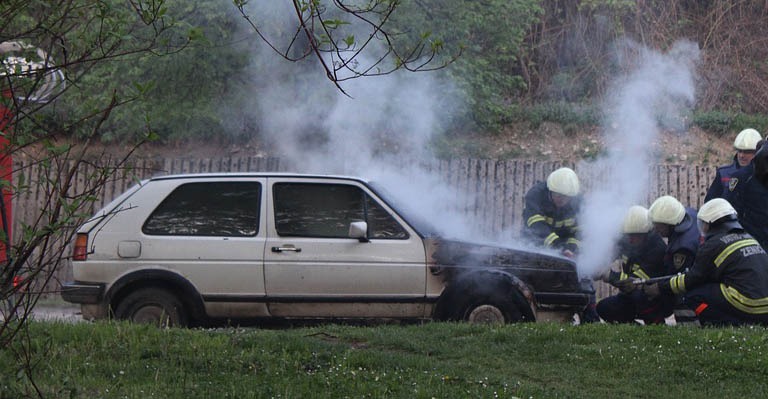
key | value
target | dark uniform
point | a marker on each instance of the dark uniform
(749, 196)
(682, 244)
(728, 282)
(644, 261)
(720, 185)
(548, 226)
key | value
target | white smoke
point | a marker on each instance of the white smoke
(658, 88)
(380, 129)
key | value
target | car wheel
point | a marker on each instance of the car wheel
(490, 309)
(483, 298)
(152, 306)
(486, 314)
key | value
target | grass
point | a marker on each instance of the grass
(433, 360)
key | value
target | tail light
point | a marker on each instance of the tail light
(16, 281)
(81, 247)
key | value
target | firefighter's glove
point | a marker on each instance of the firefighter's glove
(652, 290)
(626, 286)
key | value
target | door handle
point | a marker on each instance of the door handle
(286, 249)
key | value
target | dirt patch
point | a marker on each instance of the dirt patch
(552, 142)
(546, 142)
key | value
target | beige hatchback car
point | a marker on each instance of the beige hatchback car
(202, 249)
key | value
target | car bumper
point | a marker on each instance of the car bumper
(83, 293)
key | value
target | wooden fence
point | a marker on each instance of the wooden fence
(493, 191)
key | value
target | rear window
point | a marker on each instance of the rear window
(326, 210)
(221, 209)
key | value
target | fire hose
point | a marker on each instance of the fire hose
(641, 281)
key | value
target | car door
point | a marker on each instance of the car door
(210, 231)
(313, 269)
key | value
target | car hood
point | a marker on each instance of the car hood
(541, 271)
(467, 253)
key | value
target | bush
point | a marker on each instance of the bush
(717, 122)
(723, 123)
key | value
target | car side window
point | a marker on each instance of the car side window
(326, 210)
(381, 224)
(220, 209)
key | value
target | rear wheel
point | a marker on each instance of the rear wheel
(154, 306)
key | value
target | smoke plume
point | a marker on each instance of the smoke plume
(656, 91)
(379, 130)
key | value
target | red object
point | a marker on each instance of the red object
(80, 252)
(6, 167)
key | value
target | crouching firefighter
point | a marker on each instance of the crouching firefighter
(641, 257)
(550, 212)
(549, 218)
(678, 225)
(728, 282)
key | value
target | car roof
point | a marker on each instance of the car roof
(227, 175)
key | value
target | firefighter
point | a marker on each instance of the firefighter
(746, 146)
(678, 225)
(728, 282)
(550, 212)
(750, 198)
(641, 251)
(549, 215)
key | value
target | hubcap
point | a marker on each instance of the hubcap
(154, 315)
(486, 314)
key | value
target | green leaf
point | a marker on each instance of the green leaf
(334, 23)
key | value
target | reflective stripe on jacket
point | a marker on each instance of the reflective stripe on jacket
(547, 225)
(736, 261)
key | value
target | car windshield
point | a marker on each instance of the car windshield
(422, 226)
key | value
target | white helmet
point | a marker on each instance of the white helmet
(715, 209)
(747, 140)
(563, 181)
(667, 210)
(636, 221)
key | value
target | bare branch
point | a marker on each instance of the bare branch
(350, 58)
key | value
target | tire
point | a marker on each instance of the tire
(484, 298)
(488, 309)
(154, 306)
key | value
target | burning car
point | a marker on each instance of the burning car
(206, 248)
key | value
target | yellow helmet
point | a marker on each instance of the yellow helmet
(666, 209)
(636, 221)
(715, 209)
(747, 140)
(563, 181)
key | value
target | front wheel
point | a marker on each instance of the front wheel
(487, 309)
(484, 298)
(154, 306)
(488, 314)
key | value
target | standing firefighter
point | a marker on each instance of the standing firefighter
(641, 252)
(677, 224)
(550, 212)
(728, 283)
(750, 198)
(746, 146)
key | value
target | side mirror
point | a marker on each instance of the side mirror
(359, 230)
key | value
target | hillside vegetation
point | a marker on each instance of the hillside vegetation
(523, 64)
